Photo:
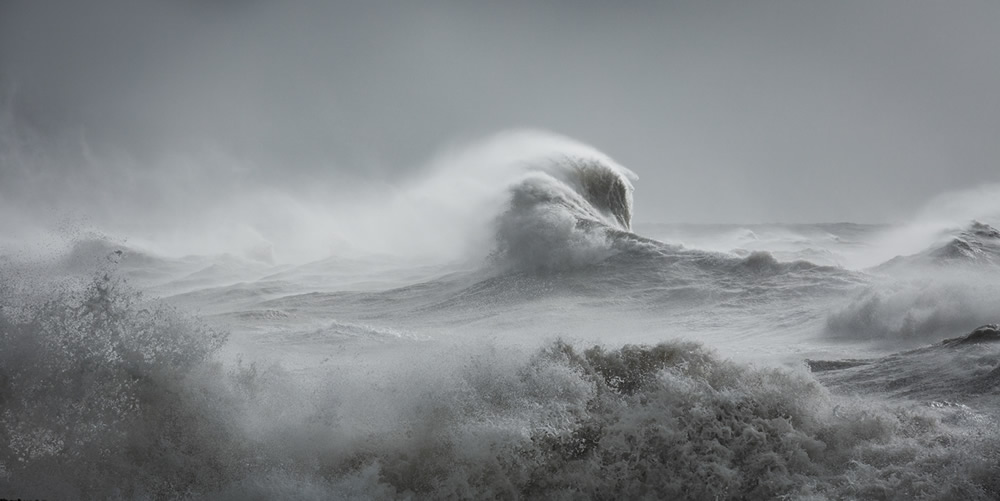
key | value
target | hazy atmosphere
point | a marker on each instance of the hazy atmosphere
(728, 111)
(499, 250)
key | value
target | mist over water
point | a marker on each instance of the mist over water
(307, 251)
(481, 341)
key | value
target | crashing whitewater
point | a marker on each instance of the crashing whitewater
(562, 352)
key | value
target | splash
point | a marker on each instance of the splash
(110, 396)
(561, 214)
(933, 225)
(214, 203)
(949, 287)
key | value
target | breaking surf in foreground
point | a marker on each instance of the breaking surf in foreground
(106, 398)
(564, 353)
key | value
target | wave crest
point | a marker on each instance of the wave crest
(564, 212)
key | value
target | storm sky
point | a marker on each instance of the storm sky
(744, 111)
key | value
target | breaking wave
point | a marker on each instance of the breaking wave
(108, 395)
(919, 309)
(950, 287)
(978, 244)
(564, 213)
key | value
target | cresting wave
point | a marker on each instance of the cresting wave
(948, 288)
(561, 211)
(571, 206)
(110, 396)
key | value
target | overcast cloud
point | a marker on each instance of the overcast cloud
(728, 111)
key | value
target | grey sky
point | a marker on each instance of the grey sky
(729, 111)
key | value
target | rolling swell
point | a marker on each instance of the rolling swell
(961, 370)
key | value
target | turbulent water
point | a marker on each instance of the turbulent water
(561, 352)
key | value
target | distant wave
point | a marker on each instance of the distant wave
(979, 243)
(976, 244)
(950, 287)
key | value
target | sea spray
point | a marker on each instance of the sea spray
(108, 395)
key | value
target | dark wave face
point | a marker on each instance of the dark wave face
(607, 190)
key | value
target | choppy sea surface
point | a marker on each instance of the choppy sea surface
(577, 355)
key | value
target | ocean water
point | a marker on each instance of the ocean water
(525, 337)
